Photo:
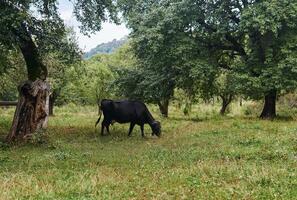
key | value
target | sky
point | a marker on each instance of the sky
(108, 32)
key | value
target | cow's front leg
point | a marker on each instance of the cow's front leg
(131, 128)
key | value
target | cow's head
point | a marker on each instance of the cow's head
(156, 128)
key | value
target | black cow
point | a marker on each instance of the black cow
(127, 111)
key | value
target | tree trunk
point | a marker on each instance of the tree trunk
(269, 110)
(226, 100)
(31, 111)
(35, 68)
(163, 106)
(51, 106)
(44, 125)
(52, 100)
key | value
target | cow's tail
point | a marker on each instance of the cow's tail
(100, 113)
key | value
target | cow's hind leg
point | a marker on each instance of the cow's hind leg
(104, 124)
(141, 128)
(131, 128)
(107, 128)
(102, 128)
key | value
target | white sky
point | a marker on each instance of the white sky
(108, 33)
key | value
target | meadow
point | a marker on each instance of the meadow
(201, 156)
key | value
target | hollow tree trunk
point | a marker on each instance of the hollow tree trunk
(163, 106)
(269, 109)
(32, 109)
(226, 100)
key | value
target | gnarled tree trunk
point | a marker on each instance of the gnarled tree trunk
(32, 110)
(163, 106)
(269, 110)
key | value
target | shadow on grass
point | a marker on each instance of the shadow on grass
(117, 135)
(193, 119)
(4, 145)
(120, 137)
(216, 117)
(284, 118)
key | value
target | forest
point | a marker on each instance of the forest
(220, 76)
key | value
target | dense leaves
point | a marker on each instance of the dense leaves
(202, 48)
(194, 44)
(38, 30)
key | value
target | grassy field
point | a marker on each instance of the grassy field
(202, 156)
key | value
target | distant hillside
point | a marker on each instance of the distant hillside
(108, 47)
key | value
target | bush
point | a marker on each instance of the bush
(252, 108)
(288, 100)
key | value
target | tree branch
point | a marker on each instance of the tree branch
(236, 45)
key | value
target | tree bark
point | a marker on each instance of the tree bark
(32, 108)
(31, 111)
(163, 106)
(226, 100)
(44, 124)
(52, 100)
(35, 68)
(269, 109)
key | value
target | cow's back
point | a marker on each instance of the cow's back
(124, 111)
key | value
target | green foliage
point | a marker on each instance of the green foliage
(91, 14)
(190, 43)
(87, 82)
(13, 74)
(48, 30)
(142, 84)
(158, 47)
(97, 80)
(226, 84)
(36, 29)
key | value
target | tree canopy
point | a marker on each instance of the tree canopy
(255, 41)
(206, 49)
(36, 29)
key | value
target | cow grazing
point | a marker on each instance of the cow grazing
(127, 111)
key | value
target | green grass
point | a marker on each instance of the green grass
(203, 156)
